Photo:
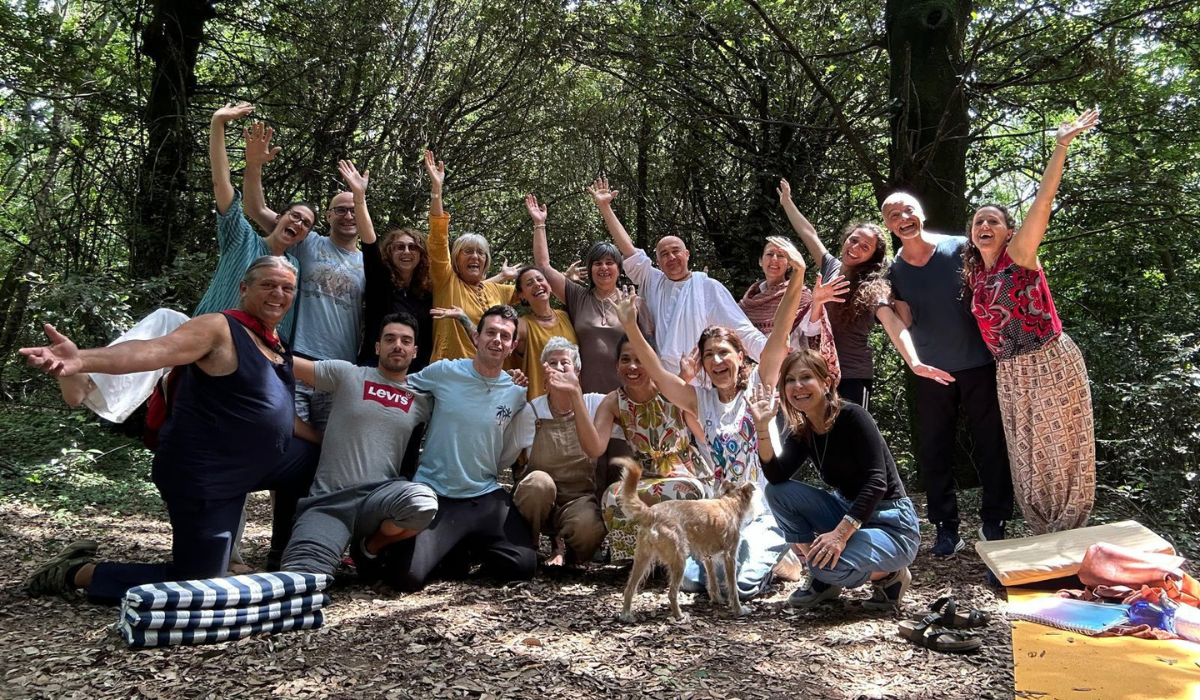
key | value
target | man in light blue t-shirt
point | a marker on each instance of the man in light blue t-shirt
(329, 298)
(475, 402)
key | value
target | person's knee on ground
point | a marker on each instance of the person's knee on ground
(581, 524)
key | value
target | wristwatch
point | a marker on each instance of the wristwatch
(853, 521)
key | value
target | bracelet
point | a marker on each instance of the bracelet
(536, 226)
(435, 196)
(854, 522)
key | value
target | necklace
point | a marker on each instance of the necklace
(488, 384)
(603, 303)
(547, 317)
(821, 459)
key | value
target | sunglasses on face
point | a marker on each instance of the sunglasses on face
(406, 247)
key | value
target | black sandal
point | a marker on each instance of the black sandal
(926, 633)
(948, 615)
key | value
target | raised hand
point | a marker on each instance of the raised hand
(562, 381)
(518, 377)
(600, 192)
(436, 170)
(1068, 130)
(784, 191)
(576, 273)
(625, 302)
(229, 112)
(832, 291)
(451, 312)
(538, 214)
(795, 259)
(689, 366)
(60, 358)
(762, 405)
(509, 272)
(258, 144)
(937, 375)
(357, 182)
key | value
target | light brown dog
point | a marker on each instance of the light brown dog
(670, 530)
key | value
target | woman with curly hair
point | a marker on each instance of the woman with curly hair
(397, 272)
(723, 411)
(1041, 380)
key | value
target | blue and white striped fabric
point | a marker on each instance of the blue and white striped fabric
(222, 617)
(228, 592)
(139, 638)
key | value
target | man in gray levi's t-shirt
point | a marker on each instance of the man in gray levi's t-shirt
(358, 495)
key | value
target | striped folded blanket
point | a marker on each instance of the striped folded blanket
(228, 592)
(221, 617)
(142, 638)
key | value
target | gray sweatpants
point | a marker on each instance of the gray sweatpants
(326, 524)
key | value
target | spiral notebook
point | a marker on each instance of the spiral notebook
(1081, 616)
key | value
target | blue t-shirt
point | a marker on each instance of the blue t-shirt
(464, 444)
(328, 300)
(943, 330)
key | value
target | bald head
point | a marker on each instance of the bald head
(673, 257)
(343, 226)
(903, 215)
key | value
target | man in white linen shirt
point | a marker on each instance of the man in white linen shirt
(683, 303)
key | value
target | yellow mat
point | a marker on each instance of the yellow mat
(1050, 664)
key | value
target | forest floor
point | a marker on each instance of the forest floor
(554, 637)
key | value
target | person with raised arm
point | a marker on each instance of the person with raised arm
(864, 264)
(762, 299)
(863, 530)
(537, 327)
(1041, 378)
(459, 274)
(682, 302)
(229, 433)
(926, 280)
(722, 409)
(332, 281)
(398, 281)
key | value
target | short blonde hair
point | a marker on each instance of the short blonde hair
(904, 198)
(470, 241)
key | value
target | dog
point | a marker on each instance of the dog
(670, 530)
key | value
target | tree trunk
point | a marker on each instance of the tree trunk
(172, 41)
(929, 121)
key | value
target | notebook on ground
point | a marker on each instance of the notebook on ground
(1079, 616)
(1044, 557)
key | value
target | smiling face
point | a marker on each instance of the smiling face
(903, 216)
(496, 340)
(991, 230)
(859, 246)
(559, 361)
(604, 273)
(471, 264)
(269, 295)
(534, 288)
(673, 258)
(722, 362)
(804, 391)
(629, 368)
(396, 347)
(404, 253)
(293, 225)
(774, 264)
(341, 217)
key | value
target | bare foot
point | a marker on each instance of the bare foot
(557, 553)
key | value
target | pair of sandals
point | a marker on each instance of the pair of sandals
(937, 628)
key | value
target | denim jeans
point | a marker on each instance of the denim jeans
(762, 546)
(887, 541)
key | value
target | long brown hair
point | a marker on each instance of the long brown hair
(811, 360)
(420, 283)
(972, 258)
(868, 280)
(719, 333)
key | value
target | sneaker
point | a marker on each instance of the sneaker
(889, 591)
(948, 542)
(51, 578)
(812, 596)
(992, 530)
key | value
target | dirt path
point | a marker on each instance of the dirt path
(554, 637)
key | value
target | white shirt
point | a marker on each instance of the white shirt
(682, 310)
(524, 427)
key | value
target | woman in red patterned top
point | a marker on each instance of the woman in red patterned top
(1041, 379)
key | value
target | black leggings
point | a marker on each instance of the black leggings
(486, 529)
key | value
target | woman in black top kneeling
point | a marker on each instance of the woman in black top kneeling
(865, 529)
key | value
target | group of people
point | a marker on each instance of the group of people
(380, 385)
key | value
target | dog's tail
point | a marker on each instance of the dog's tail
(631, 505)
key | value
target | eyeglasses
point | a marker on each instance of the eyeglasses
(342, 211)
(406, 247)
(298, 218)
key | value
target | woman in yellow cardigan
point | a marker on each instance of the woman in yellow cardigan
(458, 273)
